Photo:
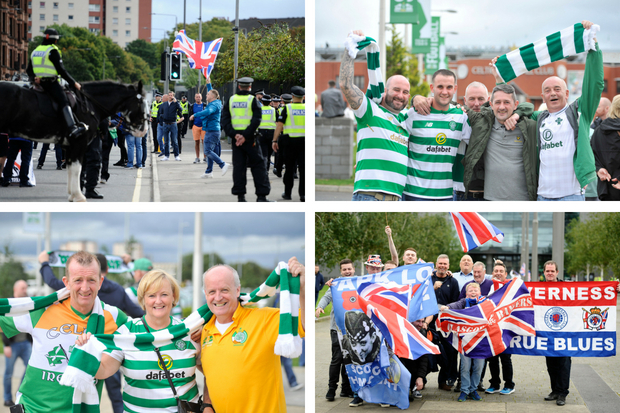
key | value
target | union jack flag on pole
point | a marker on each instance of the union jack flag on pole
(473, 230)
(200, 55)
(386, 304)
(485, 330)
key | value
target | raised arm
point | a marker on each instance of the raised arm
(353, 94)
(393, 251)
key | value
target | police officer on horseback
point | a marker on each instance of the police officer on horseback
(45, 68)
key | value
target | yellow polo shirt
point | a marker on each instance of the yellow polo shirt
(242, 372)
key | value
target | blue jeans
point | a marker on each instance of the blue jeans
(170, 131)
(21, 350)
(113, 386)
(470, 381)
(565, 198)
(133, 142)
(287, 363)
(160, 137)
(213, 150)
(364, 197)
(415, 198)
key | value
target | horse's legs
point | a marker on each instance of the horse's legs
(73, 182)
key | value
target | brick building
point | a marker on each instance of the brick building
(474, 66)
(13, 37)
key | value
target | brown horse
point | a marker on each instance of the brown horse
(21, 116)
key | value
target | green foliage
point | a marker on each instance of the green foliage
(595, 241)
(359, 234)
(11, 270)
(271, 53)
(83, 56)
(145, 50)
(252, 274)
(187, 264)
(400, 61)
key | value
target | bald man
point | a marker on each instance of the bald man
(19, 346)
(566, 159)
(601, 112)
(381, 170)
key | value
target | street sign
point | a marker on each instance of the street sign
(421, 32)
(431, 59)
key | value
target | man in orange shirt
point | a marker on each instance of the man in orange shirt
(242, 372)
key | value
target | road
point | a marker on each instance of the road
(594, 387)
(159, 181)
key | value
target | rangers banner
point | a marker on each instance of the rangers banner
(115, 263)
(576, 319)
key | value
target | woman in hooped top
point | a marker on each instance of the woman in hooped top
(158, 293)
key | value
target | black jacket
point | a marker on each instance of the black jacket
(606, 148)
(168, 112)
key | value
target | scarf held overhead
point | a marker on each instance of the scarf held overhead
(353, 44)
(568, 42)
(85, 360)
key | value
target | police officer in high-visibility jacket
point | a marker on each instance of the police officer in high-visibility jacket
(266, 129)
(241, 117)
(45, 68)
(154, 109)
(292, 121)
(185, 112)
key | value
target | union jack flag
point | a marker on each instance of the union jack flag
(473, 230)
(200, 55)
(485, 330)
(387, 306)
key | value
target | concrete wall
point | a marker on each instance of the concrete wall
(334, 148)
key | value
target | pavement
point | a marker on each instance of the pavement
(594, 386)
(333, 192)
(295, 400)
(158, 181)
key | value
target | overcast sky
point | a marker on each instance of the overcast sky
(261, 237)
(271, 9)
(478, 23)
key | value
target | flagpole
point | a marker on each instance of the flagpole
(236, 46)
(200, 39)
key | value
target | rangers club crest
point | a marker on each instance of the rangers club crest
(556, 318)
(594, 319)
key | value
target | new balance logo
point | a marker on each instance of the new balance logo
(428, 125)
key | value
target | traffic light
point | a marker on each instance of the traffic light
(175, 67)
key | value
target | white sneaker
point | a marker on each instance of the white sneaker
(165, 158)
(225, 168)
(177, 158)
(205, 160)
(207, 175)
(197, 160)
(297, 387)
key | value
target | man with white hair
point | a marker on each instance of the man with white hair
(566, 159)
(238, 346)
(381, 170)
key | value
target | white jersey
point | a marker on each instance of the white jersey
(557, 150)
(132, 292)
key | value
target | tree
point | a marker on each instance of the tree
(83, 56)
(145, 50)
(11, 270)
(187, 264)
(359, 234)
(399, 61)
(594, 241)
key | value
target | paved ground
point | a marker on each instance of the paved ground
(595, 386)
(171, 181)
(333, 192)
(294, 399)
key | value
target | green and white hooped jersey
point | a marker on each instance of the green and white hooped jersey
(381, 150)
(132, 293)
(433, 143)
(146, 388)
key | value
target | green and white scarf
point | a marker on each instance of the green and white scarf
(85, 360)
(15, 307)
(353, 44)
(568, 42)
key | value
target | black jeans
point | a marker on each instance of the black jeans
(15, 146)
(506, 370)
(154, 135)
(57, 150)
(336, 366)
(559, 373)
(92, 164)
(295, 156)
(449, 364)
(245, 156)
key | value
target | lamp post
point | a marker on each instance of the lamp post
(155, 28)
(176, 21)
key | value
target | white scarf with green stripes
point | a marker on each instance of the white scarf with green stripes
(568, 42)
(352, 45)
(85, 360)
